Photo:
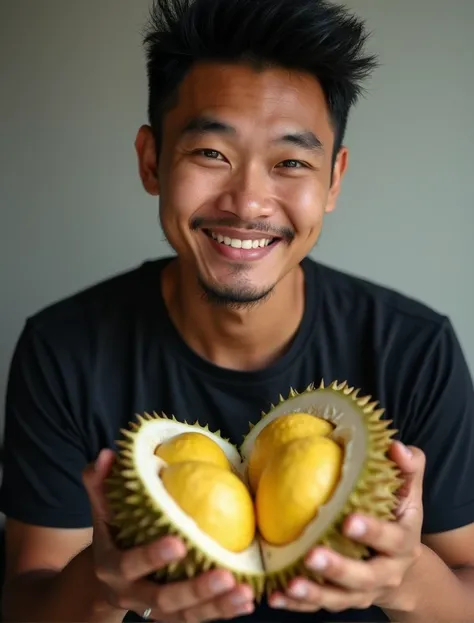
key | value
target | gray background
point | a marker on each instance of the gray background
(73, 94)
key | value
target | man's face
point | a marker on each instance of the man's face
(244, 176)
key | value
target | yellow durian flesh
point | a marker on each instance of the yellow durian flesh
(296, 480)
(278, 432)
(192, 446)
(216, 499)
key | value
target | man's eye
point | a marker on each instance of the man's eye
(209, 153)
(292, 164)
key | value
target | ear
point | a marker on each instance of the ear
(147, 160)
(339, 170)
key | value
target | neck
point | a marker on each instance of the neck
(234, 338)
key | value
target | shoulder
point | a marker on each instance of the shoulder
(92, 326)
(400, 347)
(357, 298)
(102, 304)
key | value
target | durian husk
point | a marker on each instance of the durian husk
(137, 518)
(375, 484)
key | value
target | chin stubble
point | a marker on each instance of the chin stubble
(234, 298)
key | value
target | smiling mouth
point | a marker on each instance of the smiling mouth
(241, 243)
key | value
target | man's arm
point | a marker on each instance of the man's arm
(42, 494)
(54, 568)
(440, 587)
(441, 422)
(100, 574)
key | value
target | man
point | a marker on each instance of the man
(248, 107)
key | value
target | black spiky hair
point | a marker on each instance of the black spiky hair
(313, 36)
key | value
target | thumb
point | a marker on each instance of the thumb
(411, 462)
(93, 478)
(409, 459)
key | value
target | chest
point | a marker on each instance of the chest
(228, 405)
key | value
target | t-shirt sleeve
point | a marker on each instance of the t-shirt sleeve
(44, 452)
(442, 425)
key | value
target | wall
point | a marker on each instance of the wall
(72, 209)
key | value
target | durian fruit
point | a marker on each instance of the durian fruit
(149, 498)
(307, 485)
(368, 479)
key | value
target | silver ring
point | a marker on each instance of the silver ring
(146, 614)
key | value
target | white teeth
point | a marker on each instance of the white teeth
(236, 243)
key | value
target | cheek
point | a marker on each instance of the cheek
(188, 189)
(304, 201)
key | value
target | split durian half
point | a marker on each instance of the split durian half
(144, 508)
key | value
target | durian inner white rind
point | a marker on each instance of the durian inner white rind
(148, 467)
(347, 417)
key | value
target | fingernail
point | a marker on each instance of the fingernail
(357, 528)
(221, 583)
(99, 460)
(239, 599)
(299, 590)
(169, 551)
(318, 561)
(406, 450)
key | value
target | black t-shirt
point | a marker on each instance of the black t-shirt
(84, 366)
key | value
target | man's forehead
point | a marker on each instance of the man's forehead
(233, 93)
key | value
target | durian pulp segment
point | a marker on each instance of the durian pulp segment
(147, 467)
(158, 429)
(352, 418)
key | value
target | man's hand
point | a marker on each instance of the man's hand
(378, 581)
(213, 595)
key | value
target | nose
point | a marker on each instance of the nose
(248, 195)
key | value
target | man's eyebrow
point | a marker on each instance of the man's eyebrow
(207, 125)
(306, 140)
